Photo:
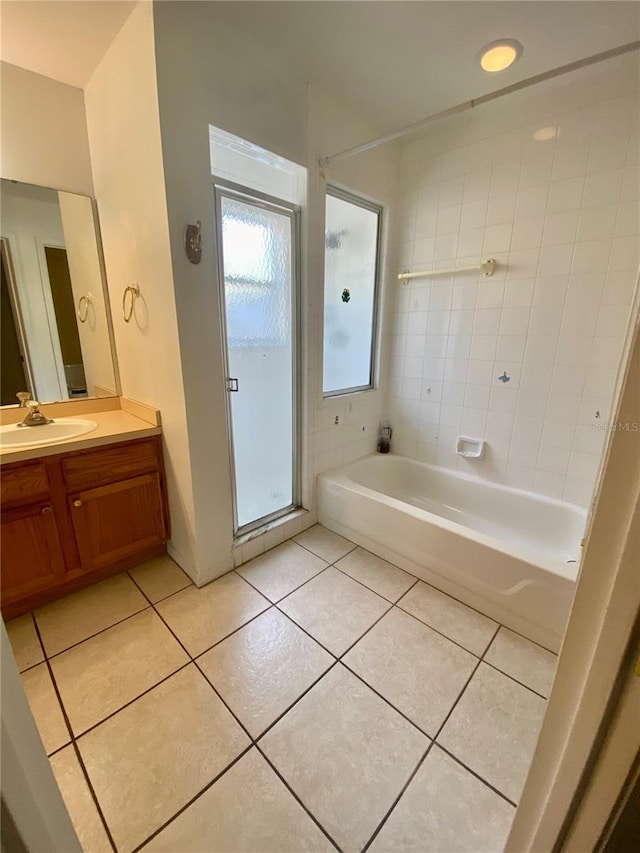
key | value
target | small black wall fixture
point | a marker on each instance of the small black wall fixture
(193, 242)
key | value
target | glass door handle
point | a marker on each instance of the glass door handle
(232, 384)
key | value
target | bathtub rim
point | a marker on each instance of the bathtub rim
(568, 571)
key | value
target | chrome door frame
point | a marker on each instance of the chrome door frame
(224, 188)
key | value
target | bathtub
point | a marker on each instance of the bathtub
(510, 554)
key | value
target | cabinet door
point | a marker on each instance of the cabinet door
(31, 557)
(116, 521)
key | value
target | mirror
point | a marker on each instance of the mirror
(57, 340)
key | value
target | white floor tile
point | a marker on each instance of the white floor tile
(494, 729)
(347, 754)
(248, 809)
(416, 669)
(325, 543)
(334, 609)
(452, 618)
(382, 577)
(523, 660)
(263, 668)
(446, 809)
(281, 570)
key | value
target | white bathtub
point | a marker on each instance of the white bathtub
(506, 552)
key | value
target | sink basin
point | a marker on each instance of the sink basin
(62, 429)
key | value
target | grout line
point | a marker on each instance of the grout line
(162, 598)
(296, 797)
(362, 583)
(475, 609)
(521, 683)
(336, 659)
(193, 799)
(284, 613)
(476, 774)
(252, 740)
(226, 636)
(333, 562)
(76, 750)
(217, 642)
(291, 591)
(398, 798)
(388, 701)
(131, 701)
(293, 704)
(223, 701)
(364, 634)
(433, 740)
(91, 636)
(533, 642)
(436, 631)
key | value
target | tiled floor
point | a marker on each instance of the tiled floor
(316, 698)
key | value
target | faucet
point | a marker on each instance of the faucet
(34, 415)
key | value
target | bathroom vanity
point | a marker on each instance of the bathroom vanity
(75, 513)
(82, 485)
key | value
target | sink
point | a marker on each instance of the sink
(62, 429)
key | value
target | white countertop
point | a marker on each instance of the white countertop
(113, 426)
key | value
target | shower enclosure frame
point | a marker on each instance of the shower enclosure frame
(229, 189)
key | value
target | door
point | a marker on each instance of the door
(31, 553)
(257, 252)
(116, 521)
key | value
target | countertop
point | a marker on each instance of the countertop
(112, 427)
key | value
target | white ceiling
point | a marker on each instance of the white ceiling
(62, 39)
(398, 61)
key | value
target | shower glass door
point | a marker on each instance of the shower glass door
(257, 254)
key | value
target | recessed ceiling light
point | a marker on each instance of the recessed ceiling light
(500, 54)
(546, 133)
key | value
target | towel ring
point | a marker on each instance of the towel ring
(134, 291)
(83, 302)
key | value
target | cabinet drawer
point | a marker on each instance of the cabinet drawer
(109, 464)
(23, 483)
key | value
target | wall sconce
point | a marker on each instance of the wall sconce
(193, 242)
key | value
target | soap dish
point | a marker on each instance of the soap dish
(471, 448)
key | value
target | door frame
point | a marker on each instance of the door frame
(18, 320)
(224, 188)
(54, 334)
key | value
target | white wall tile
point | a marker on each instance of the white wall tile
(561, 220)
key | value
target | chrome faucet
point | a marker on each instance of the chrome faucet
(34, 415)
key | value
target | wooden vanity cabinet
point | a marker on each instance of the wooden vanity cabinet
(73, 518)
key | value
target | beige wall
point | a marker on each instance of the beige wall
(124, 138)
(43, 132)
(210, 74)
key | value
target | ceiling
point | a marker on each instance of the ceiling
(398, 61)
(62, 39)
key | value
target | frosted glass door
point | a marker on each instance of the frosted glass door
(258, 272)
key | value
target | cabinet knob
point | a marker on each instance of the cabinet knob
(77, 503)
(46, 510)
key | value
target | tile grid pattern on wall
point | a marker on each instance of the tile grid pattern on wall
(465, 655)
(560, 217)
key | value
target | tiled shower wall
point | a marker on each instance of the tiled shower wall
(560, 216)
